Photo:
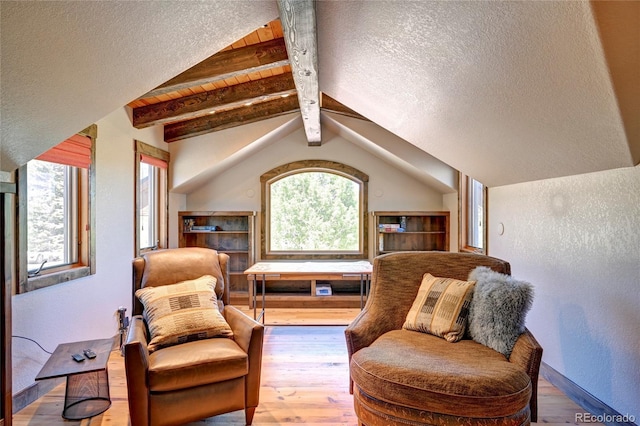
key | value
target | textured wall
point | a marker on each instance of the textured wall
(577, 239)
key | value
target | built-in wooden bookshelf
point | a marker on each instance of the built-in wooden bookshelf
(411, 231)
(230, 232)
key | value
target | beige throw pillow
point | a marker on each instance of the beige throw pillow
(183, 312)
(441, 307)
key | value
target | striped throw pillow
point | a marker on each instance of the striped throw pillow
(441, 307)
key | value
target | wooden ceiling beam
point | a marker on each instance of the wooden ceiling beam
(212, 101)
(298, 19)
(231, 118)
(227, 64)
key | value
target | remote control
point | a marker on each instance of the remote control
(77, 357)
(89, 353)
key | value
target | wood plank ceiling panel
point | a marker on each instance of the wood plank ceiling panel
(270, 31)
(228, 64)
(250, 80)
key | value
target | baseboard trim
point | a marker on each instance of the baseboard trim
(584, 399)
(32, 393)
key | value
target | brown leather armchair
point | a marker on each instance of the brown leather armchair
(198, 379)
(401, 377)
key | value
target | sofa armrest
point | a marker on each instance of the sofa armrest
(364, 330)
(249, 335)
(527, 353)
(136, 362)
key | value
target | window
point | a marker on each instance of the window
(148, 226)
(52, 214)
(55, 214)
(151, 198)
(314, 210)
(475, 214)
(473, 197)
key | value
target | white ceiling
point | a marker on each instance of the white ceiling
(67, 64)
(503, 91)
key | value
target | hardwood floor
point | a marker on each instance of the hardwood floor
(304, 380)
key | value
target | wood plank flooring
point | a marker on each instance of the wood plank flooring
(304, 380)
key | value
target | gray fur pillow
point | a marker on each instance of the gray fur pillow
(498, 309)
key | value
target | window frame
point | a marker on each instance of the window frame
(161, 199)
(465, 221)
(289, 169)
(85, 264)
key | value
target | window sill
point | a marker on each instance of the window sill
(54, 278)
(469, 249)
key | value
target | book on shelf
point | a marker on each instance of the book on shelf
(205, 228)
(390, 227)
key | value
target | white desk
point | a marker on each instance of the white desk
(307, 270)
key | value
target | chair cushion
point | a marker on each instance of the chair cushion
(196, 363)
(426, 372)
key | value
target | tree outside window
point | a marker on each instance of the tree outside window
(49, 214)
(314, 209)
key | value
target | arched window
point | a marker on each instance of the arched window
(314, 209)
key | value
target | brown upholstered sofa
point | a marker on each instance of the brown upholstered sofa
(401, 377)
(197, 379)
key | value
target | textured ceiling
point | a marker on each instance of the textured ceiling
(503, 91)
(67, 64)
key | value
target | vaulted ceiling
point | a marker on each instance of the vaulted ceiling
(503, 91)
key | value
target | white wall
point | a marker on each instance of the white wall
(577, 240)
(389, 188)
(86, 308)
